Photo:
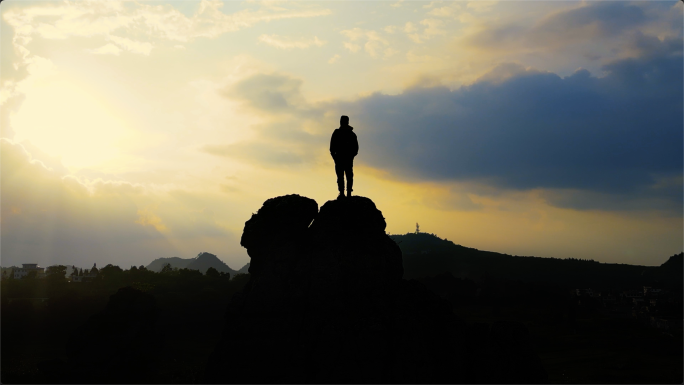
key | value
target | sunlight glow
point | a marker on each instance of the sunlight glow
(67, 121)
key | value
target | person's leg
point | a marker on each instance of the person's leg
(339, 170)
(349, 170)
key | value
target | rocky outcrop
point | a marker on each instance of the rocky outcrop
(326, 303)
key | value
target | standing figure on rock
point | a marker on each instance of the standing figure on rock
(344, 147)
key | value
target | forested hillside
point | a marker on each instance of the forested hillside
(428, 255)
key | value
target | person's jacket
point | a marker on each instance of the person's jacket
(343, 143)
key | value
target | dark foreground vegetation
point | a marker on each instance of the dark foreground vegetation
(523, 319)
(46, 320)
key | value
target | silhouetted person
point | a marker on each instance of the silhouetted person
(344, 147)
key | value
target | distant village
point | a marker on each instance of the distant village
(655, 307)
(32, 270)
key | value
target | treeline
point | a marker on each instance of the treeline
(41, 317)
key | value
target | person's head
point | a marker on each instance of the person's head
(344, 120)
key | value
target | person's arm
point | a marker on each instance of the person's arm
(356, 146)
(333, 144)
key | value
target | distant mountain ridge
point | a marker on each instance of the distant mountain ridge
(158, 263)
(202, 262)
(244, 269)
(428, 255)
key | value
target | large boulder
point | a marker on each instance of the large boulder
(326, 303)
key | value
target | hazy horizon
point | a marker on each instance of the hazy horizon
(132, 131)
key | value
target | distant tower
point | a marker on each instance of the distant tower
(417, 228)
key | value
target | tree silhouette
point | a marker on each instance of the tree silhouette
(56, 273)
(166, 268)
(212, 272)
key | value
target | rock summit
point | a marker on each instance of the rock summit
(326, 303)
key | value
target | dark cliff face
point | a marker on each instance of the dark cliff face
(326, 303)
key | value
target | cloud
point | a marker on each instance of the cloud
(119, 44)
(390, 29)
(389, 52)
(432, 27)
(286, 137)
(374, 42)
(289, 43)
(481, 6)
(54, 218)
(107, 49)
(111, 19)
(587, 21)
(49, 217)
(164, 21)
(518, 128)
(447, 11)
(268, 92)
(334, 59)
(351, 46)
(409, 27)
(132, 46)
(591, 20)
(291, 139)
(664, 195)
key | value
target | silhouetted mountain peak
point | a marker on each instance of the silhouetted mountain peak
(674, 262)
(204, 256)
(205, 260)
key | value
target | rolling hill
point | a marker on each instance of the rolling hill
(202, 262)
(428, 255)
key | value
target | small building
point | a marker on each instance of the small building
(26, 268)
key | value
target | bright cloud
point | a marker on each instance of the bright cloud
(289, 43)
(64, 219)
(133, 46)
(334, 59)
(108, 49)
(374, 43)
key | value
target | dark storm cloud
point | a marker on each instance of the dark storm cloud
(665, 196)
(591, 21)
(613, 134)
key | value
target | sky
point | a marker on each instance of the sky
(137, 130)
